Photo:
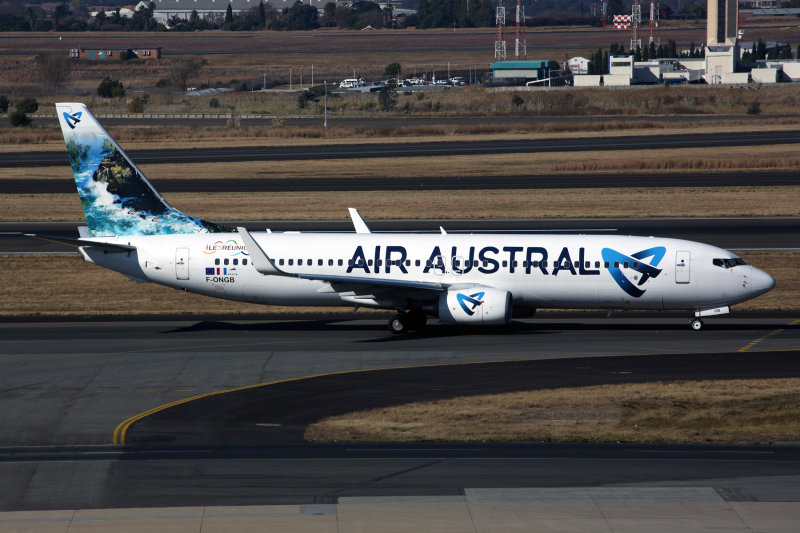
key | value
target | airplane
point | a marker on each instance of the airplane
(469, 279)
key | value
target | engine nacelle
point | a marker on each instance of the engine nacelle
(477, 305)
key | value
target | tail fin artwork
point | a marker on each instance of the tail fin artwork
(117, 198)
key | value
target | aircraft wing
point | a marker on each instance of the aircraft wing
(262, 263)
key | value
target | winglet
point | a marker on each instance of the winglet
(442, 230)
(261, 261)
(358, 222)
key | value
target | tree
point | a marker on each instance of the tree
(262, 15)
(327, 14)
(54, 69)
(27, 105)
(4, 103)
(30, 15)
(387, 97)
(59, 13)
(185, 70)
(228, 15)
(18, 118)
(393, 69)
(109, 88)
(301, 16)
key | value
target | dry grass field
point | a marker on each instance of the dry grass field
(66, 286)
(736, 411)
(526, 203)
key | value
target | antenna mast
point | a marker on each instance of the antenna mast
(603, 12)
(636, 23)
(655, 36)
(500, 40)
(517, 43)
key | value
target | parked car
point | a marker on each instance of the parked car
(352, 83)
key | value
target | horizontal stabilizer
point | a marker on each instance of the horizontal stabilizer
(110, 247)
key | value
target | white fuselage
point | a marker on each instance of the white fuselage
(551, 271)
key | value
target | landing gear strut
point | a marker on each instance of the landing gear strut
(696, 324)
(412, 320)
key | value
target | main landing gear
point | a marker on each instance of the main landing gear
(696, 324)
(413, 320)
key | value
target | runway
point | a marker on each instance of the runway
(427, 183)
(731, 233)
(416, 149)
(70, 386)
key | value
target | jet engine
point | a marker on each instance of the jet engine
(476, 305)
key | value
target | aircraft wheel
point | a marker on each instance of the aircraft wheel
(397, 325)
(696, 324)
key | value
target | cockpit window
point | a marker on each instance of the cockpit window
(729, 263)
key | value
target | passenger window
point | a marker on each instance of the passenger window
(577, 264)
(349, 262)
(536, 264)
(341, 262)
(616, 264)
(636, 264)
(597, 264)
(587, 264)
(235, 261)
(244, 261)
(319, 262)
(369, 262)
(299, 262)
(330, 262)
(505, 264)
(625, 264)
(226, 262)
(291, 262)
(280, 262)
(216, 262)
(416, 263)
(310, 262)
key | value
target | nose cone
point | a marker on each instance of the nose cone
(759, 281)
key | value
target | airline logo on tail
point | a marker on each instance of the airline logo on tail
(73, 119)
(473, 299)
(636, 263)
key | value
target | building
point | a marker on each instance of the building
(578, 65)
(521, 72)
(214, 10)
(114, 53)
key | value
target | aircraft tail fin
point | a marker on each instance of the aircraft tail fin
(117, 198)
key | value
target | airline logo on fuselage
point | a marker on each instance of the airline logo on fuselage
(73, 119)
(473, 299)
(637, 264)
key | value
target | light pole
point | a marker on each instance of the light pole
(325, 124)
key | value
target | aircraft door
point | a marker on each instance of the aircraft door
(683, 261)
(182, 263)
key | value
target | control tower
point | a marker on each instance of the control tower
(722, 22)
(722, 27)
